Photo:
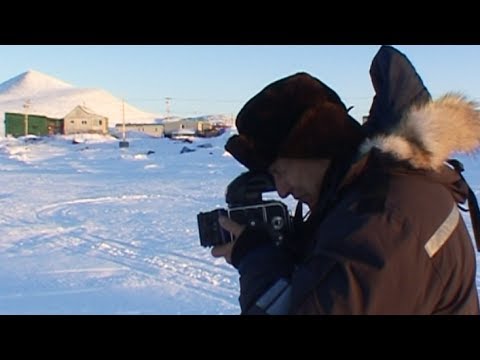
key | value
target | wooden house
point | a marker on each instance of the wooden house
(83, 120)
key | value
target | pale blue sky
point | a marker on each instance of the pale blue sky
(221, 78)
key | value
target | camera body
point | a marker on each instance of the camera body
(246, 207)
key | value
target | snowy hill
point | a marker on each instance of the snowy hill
(30, 82)
(54, 98)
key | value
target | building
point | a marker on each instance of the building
(17, 124)
(83, 120)
(155, 130)
(186, 125)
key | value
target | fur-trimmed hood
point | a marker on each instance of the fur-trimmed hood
(429, 133)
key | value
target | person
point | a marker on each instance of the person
(384, 234)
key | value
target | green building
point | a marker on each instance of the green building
(15, 125)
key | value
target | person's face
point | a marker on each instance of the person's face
(301, 178)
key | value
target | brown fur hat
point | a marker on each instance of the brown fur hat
(294, 117)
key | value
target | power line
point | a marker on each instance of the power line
(187, 99)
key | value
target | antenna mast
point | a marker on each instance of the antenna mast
(26, 106)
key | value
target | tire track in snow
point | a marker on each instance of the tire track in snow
(148, 258)
(180, 270)
(173, 269)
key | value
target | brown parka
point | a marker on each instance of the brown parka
(393, 240)
(394, 244)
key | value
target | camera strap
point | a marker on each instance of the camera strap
(296, 241)
(298, 216)
(473, 208)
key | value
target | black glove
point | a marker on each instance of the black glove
(250, 239)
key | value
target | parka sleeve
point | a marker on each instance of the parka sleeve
(365, 267)
(353, 270)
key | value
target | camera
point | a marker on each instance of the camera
(246, 207)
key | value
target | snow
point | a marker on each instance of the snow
(92, 228)
(89, 228)
(32, 80)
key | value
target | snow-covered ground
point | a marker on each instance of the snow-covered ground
(89, 228)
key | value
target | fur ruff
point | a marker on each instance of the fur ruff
(428, 135)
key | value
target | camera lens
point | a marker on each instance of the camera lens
(277, 222)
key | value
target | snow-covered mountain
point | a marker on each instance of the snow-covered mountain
(30, 83)
(54, 98)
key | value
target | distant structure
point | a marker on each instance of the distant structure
(193, 127)
(182, 125)
(155, 130)
(364, 119)
(177, 128)
(83, 120)
(18, 124)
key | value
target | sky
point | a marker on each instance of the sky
(219, 79)
(90, 228)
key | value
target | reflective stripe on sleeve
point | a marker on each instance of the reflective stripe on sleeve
(443, 233)
(276, 300)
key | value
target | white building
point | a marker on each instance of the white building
(155, 130)
(185, 125)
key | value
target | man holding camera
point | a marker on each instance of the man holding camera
(384, 234)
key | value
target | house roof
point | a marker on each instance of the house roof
(85, 110)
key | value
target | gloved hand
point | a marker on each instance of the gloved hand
(225, 250)
(246, 239)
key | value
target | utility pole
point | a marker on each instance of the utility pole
(123, 143)
(123, 119)
(167, 105)
(26, 106)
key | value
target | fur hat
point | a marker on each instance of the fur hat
(294, 117)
